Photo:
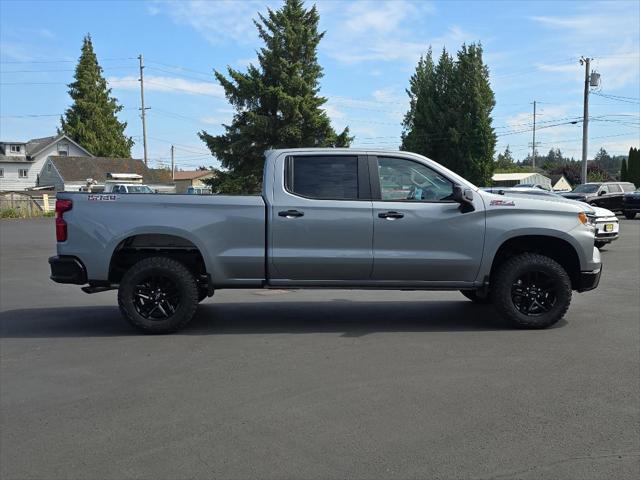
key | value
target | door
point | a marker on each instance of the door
(321, 219)
(420, 233)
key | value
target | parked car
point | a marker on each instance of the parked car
(329, 218)
(631, 204)
(199, 191)
(607, 195)
(606, 222)
(532, 185)
(127, 188)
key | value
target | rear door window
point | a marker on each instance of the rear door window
(614, 188)
(332, 177)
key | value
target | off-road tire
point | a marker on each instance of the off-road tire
(630, 215)
(511, 270)
(475, 298)
(183, 281)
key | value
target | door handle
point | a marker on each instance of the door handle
(390, 215)
(290, 213)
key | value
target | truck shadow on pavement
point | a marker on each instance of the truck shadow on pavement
(350, 319)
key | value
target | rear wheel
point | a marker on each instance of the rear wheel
(531, 290)
(630, 215)
(158, 295)
(475, 298)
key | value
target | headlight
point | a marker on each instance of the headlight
(587, 218)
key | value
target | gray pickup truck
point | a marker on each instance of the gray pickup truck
(329, 218)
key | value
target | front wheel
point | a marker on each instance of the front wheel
(531, 290)
(630, 215)
(158, 295)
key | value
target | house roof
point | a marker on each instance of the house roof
(500, 177)
(191, 174)
(14, 159)
(36, 145)
(78, 169)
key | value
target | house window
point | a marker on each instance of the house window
(63, 149)
(1, 172)
(23, 173)
(15, 148)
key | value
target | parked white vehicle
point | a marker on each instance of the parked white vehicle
(607, 225)
(606, 222)
(127, 188)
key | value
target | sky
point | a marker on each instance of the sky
(369, 52)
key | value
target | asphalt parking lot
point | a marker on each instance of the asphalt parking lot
(315, 384)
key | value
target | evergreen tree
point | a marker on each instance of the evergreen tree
(420, 117)
(277, 103)
(505, 160)
(633, 166)
(449, 118)
(623, 170)
(91, 121)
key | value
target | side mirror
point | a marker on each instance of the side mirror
(601, 192)
(464, 196)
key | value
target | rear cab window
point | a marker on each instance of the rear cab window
(327, 177)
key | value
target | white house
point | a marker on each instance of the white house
(22, 162)
(512, 179)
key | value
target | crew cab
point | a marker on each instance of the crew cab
(329, 218)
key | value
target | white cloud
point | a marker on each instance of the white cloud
(219, 22)
(607, 31)
(167, 84)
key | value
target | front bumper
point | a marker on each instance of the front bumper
(589, 280)
(67, 269)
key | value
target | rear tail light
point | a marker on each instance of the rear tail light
(61, 226)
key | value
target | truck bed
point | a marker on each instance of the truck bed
(228, 230)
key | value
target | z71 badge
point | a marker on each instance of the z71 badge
(502, 203)
(101, 198)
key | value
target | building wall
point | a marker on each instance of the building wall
(50, 176)
(10, 180)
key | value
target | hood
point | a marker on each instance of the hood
(575, 195)
(602, 212)
(522, 201)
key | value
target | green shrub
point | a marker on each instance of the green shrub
(9, 213)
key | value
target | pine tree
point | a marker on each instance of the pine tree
(91, 121)
(623, 170)
(277, 103)
(449, 119)
(419, 121)
(505, 159)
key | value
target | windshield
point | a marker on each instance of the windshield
(139, 189)
(587, 188)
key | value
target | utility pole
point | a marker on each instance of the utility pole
(173, 168)
(143, 109)
(585, 116)
(533, 143)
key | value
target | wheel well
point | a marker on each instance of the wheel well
(556, 248)
(137, 247)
